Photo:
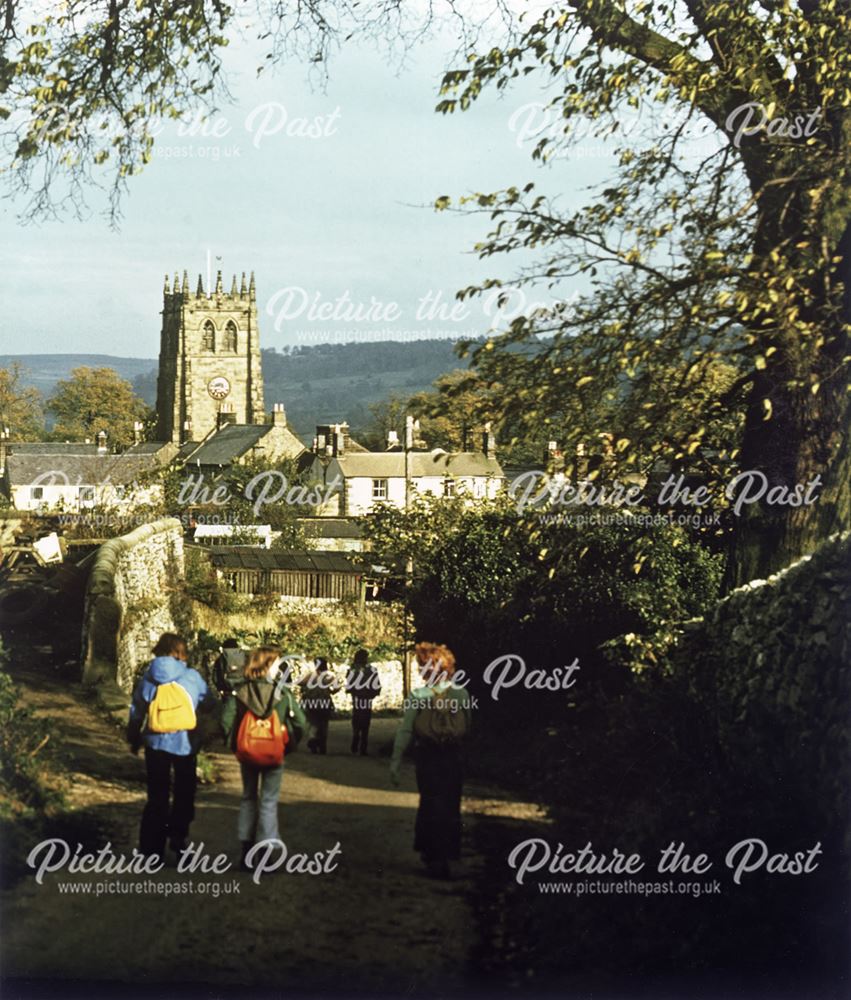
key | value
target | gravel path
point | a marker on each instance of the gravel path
(374, 924)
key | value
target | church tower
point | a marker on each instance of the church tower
(209, 360)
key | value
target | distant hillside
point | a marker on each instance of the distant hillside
(326, 382)
(339, 381)
(45, 370)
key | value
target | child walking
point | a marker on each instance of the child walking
(163, 720)
(260, 721)
(318, 690)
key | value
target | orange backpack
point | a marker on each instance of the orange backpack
(261, 742)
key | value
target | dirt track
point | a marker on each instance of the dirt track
(375, 924)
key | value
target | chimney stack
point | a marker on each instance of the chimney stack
(226, 415)
(338, 439)
(392, 440)
(488, 442)
(101, 442)
(138, 427)
(279, 415)
(4, 438)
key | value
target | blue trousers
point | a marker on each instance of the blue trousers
(258, 808)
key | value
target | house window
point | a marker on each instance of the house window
(209, 339)
(379, 489)
(87, 494)
(479, 487)
(230, 336)
(36, 493)
(449, 487)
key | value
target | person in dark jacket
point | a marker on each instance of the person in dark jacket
(168, 752)
(263, 691)
(229, 668)
(317, 699)
(364, 685)
(437, 717)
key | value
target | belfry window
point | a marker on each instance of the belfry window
(230, 336)
(209, 341)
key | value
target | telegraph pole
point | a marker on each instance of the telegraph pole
(409, 563)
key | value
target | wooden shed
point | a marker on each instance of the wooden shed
(249, 571)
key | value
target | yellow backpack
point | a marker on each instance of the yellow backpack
(171, 709)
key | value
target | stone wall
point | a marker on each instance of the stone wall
(132, 596)
(770, 672)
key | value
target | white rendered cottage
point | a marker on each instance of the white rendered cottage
(365, 479)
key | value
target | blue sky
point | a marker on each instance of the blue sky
(347, 213)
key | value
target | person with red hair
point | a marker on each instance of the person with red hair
(437, 718)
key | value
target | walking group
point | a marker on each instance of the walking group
(262, 721)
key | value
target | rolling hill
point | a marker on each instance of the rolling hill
(320, 383)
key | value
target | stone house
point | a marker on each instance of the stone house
(365, 479)
(60, 477)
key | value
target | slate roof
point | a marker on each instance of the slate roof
(82, 470)
(391, 464)
(303, 560)
(229, 443)
(51, 448)
(186, 449)
(146, 448)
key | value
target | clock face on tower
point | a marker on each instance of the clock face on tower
(218, 387)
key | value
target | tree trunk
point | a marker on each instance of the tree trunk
(807, 435)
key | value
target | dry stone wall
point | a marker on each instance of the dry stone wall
(770, 669)
(132, 597)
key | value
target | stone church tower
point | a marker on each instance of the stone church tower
(209, 360)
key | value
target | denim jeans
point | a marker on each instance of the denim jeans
(259, 820)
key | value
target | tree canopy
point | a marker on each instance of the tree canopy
(713, 262)
(21, 407)
(94, 400)
(719, 245)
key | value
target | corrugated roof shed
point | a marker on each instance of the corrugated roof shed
(301, 560)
